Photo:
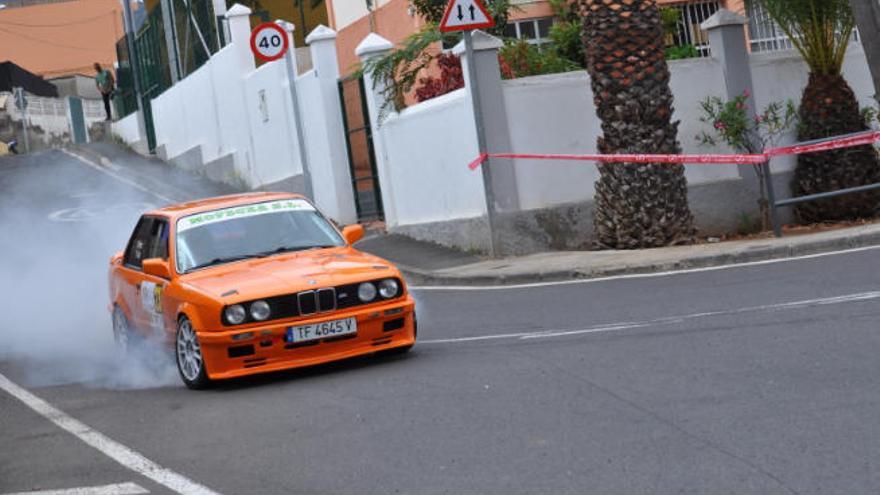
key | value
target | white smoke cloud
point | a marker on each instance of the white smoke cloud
(55, 326)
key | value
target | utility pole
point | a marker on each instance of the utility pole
(134, 65)
(867, 14)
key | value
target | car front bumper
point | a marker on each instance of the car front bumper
(232, 353)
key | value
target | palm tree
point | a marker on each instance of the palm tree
(821, 30)
(637, 205)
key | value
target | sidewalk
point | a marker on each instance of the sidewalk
(430, 264)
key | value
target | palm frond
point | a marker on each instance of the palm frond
(819, 29)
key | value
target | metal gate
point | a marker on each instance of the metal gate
(361, 155)
(79, 135)
(153, 68)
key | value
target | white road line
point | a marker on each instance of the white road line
(117, 489)
(118, 177)
(636, 275)
(614, 327)
(107, 446)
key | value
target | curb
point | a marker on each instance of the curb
(421, 277)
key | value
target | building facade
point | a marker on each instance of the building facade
(530, 20)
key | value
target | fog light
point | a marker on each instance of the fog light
(243, 336)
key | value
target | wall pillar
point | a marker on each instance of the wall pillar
(728, 44)
(488, 74)
(375, 46)
(337, 188)
(240, 36)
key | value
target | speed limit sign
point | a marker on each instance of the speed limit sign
(268, 41)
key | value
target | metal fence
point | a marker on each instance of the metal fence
(688, 31)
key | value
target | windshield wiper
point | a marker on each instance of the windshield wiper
(290, 249)
(226, 259)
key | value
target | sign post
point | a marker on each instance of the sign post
(466, 15)
(21, 103)
(269, 41)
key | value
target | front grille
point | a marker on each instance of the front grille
(310, 302)
(320, 301)
(326, 300)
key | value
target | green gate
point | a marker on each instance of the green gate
(77, 120)
(194, 32)
(359, 144)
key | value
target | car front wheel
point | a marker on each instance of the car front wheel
(190, 362)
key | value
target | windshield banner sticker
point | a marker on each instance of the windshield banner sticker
(210, 217)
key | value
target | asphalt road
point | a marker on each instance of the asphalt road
(749, 380)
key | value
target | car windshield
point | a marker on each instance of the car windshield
(251, 231)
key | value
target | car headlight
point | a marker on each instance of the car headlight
(260, 310)
(366, 292)
(235, 314)
(388, 288)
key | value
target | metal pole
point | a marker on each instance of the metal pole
(867, 15)
(297, 118)
(771, 199)
(494, 244)
(169, 27)
(134, 65)
(19, 97)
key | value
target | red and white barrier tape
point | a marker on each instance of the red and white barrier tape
(858, 139)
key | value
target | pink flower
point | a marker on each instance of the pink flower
(720, 125)
(758, 119)
(746, 93)
(740, 106)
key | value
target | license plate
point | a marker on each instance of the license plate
(323, 330)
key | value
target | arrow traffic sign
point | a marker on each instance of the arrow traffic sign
(464, 15)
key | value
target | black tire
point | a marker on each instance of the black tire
(188, 356)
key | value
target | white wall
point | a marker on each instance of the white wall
(781, 76)
(424, 168)
(348, 11)
(555, 114)
(127, 129)
(50, 115)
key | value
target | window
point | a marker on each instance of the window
(251, 231)
(149, 240)
(534, 31)
(764, 34)
(687, 32)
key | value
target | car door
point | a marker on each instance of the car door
(130, 272)
(152, 288)
(142, 292)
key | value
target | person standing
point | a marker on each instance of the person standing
(105, 83)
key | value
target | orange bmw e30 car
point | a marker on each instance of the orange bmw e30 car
(252, 283)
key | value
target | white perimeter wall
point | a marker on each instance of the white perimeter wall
(424, 170)
(781, 76)
(229, 112)
(428, 146)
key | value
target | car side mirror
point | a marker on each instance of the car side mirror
(157, 267)
(353, 233)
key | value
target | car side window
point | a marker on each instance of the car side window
(139, 243)
(158, 240)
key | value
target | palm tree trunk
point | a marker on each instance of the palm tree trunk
(637, 205)
(829, 108)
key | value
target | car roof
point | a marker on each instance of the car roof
(208, 204)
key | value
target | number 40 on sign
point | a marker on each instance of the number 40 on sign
(269, 41)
